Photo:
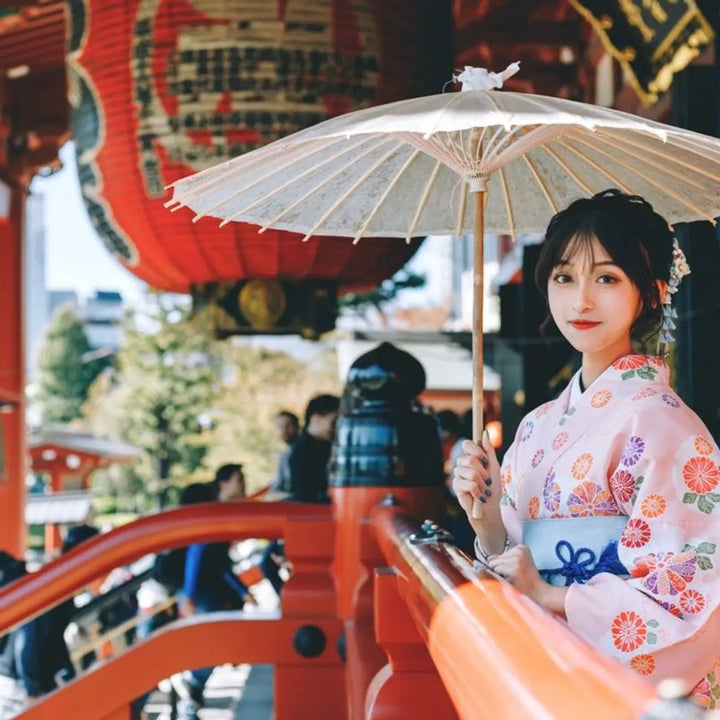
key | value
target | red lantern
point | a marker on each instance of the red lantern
(163, 88)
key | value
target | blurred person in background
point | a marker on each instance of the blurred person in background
(35, 659)
(210, 585)
(287, 427)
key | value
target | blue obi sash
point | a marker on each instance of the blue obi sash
(569, 550)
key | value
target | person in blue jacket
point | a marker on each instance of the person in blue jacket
(210, 585)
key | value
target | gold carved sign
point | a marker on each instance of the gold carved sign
(652, 39)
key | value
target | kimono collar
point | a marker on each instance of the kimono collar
(642, 367)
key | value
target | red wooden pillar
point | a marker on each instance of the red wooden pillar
(357, 554)
(12, 474)
(311, 686)
(393, 692)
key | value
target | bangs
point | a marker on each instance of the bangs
(580, 245)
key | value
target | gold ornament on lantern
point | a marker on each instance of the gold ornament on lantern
(262, 303)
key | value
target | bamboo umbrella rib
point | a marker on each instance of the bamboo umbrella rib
(569, 117)
(596, 166)
(630, 122)
(660, 186)
(493, 151)
(458, 149)
(436, 148)
(396, 146)
(294, 178)
(489, 151)
(274, 171)
(383, 197)
(508, 206)
(478, 142)
(423, 200)
(686, 143)
(700, 188)
(491, 98)
(247, 161)
(539, 136)
(197, 176)
(564, 166)
(624, 141)
(637, 156)
(276, 190)
(461, 209)
(541, 183)
(467, 143)
(448, 146)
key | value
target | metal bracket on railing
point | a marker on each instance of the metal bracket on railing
(430, 532)
(673, 703)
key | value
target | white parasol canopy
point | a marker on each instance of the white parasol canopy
(407, 169)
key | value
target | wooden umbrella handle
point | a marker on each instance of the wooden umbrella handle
(477, 338)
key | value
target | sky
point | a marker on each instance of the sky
(75, 256)
(77, 259)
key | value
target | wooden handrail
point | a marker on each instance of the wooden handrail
(500, 655)
(201, 641)
(206, 522)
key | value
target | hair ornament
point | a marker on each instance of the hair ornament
(679, 268)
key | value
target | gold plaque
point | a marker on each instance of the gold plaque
(262, 303)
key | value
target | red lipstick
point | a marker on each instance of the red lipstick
(584, 324)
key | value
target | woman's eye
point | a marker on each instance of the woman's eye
(607, 279)
(561, 278)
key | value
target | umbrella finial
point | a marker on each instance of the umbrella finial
(475, 78)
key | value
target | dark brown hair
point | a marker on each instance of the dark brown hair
(638, 240)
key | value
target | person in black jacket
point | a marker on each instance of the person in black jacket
(306, 472)
(309, 456)
(35, 659)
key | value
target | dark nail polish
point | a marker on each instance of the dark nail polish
(488, 481)
(482, 499)
(484, 462)
(488, 492)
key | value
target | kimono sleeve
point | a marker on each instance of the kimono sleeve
(510, 473)
(664, 620)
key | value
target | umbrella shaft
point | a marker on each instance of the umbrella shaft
(477, 330)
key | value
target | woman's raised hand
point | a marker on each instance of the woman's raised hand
(476, 476)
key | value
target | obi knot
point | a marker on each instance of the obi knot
(582, 564)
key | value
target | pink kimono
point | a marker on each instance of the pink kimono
(630, 447)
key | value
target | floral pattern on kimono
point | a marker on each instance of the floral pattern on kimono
(629, 446)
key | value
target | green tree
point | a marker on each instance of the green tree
(193, 404)
(66, 368)
(166, 383)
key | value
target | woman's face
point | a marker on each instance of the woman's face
(593, 302)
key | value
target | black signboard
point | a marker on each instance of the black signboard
(652, 39)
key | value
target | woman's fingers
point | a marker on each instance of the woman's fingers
(472, 448)
(489, 448)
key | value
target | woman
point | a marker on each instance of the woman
(604, 510)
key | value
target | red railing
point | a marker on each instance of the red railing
(63, 577)
(499, 655)
(458, 646)
(105, 690)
